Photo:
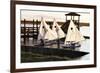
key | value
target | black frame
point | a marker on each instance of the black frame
(13, 40)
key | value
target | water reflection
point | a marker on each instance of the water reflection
(85, 46)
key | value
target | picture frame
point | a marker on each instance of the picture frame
(21, 12)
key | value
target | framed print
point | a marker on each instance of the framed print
(51, 36)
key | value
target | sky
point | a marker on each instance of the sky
(50, 15)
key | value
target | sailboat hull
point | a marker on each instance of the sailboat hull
(72, 45)
(73, 36)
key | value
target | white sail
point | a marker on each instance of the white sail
(73, 33)
(45, 32)
(42, 31)
(57, 30)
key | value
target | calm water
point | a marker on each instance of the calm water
(85, 46)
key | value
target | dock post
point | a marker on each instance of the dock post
(24, 32)
(58, 42)
(33, 30)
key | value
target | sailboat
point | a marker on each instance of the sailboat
(73, 37)
(57, 33)
(57, 30)
(45, 33)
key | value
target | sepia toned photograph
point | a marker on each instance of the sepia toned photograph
(48, 36)
(54, 35)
